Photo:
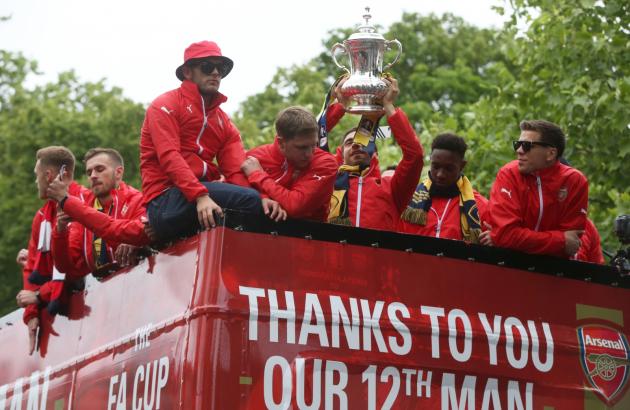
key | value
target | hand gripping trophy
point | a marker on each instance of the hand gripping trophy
(365, 50)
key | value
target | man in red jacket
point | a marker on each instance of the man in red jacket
(361, 197)
(77, 250)
(183, 132)
(538, 205)
(42, 283)
(292, 170)
(445, 205)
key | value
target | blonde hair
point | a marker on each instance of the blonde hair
(55, 157)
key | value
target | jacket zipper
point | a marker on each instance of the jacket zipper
(357, 223)
(116, 208)
(540, 200)
(203, 127)
(438, 228)
(285, 167)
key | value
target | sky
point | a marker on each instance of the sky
(137, 44)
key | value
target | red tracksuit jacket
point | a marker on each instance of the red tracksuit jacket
(375, 202)
(442, 221)
(303, 194)
(77, 193)
(530, 212)
(178, 144)
(73, 251)
(31, 311)
(306, 194)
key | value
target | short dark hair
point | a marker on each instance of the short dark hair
(113, 154)
(450, 142)
(550, 133)
(56, 156)
(295, 121)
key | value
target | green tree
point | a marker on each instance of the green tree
(297, 85)
(66, 112)
(570, 66)
(447, 65)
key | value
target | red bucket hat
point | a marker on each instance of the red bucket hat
(203, 49)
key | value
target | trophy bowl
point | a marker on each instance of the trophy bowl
(365, 50)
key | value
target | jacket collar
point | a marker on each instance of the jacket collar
(278, 156)
(119, 195)
(77, 190)
(374, 167)
(550, 171)
(191, 92)
(275, 151)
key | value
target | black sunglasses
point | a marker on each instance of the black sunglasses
(208, 67)
(527, 145)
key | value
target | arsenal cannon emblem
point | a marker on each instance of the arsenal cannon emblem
(605, 358)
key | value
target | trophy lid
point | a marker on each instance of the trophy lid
(366, 30)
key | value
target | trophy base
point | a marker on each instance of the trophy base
(366, 109)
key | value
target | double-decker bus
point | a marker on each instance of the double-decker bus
(300, 315)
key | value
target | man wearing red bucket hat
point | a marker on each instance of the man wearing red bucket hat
(184, 131)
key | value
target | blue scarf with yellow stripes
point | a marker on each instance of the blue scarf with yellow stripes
(420, 204)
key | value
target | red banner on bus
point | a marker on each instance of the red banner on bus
(236, 319)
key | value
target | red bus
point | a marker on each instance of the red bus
(301, 315)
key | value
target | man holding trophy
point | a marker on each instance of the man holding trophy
(361, 197)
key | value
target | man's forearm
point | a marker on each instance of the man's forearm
(129, 231)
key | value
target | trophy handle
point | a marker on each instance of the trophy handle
(334, 57)
(389, 47)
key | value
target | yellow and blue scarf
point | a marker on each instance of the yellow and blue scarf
(99, 247)
(322, 120)
(365, 135)
(339, 213)
(420, 204)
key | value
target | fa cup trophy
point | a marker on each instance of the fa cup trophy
(365, 50)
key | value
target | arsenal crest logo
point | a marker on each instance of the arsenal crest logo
(563, 193)
(605, 355)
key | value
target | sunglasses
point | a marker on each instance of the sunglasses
(208, 67)
(528, 145)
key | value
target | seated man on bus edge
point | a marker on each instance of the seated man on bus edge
(184, 131)
(42, 282)
(77, 250)
(293, 170)
(362, 198)
(537, 204)
(445, 205)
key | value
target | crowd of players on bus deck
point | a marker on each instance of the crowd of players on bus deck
(193, 165)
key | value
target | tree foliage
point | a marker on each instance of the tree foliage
(554, 59)
(558, 60)
(446, 65)
(570, 66)
(67, 112)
